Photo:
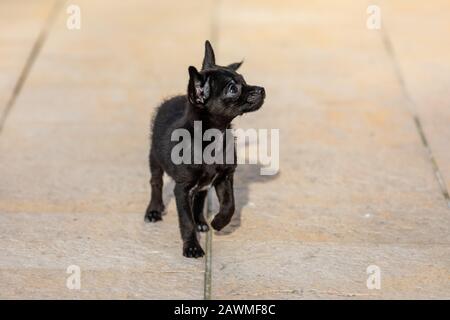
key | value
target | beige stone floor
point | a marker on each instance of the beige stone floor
(356, 186)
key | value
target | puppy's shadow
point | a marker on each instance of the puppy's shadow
(244, 176)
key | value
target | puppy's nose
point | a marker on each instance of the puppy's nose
(261, 91)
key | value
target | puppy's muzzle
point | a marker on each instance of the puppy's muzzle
(255, 99)
(257, 94)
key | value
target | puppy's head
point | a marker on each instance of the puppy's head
(221, 91)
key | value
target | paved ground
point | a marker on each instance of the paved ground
(358, 111)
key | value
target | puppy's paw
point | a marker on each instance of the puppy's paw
(202, 227)
(153, 216)
(192, 250)
(218, 223)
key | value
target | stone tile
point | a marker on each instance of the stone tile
(353, 171)
(74, 153)
(274, 269)
(118, 254)
(21, 23)
(423, 58)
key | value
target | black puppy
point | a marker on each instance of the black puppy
(216, 95)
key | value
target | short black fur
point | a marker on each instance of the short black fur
(216, 95)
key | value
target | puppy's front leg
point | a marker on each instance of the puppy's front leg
(224, 191)
(197, 210)
(191, 247)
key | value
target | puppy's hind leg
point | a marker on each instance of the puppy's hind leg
(156, 206)
(191, 247)
(197, 210)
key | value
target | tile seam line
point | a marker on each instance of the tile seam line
(207, 284)
(30, 60)
(411, 106)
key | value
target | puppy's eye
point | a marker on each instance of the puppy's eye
(233, 89)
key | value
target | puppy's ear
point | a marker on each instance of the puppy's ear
(198, 88)
(235, 66)
(209, 60)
